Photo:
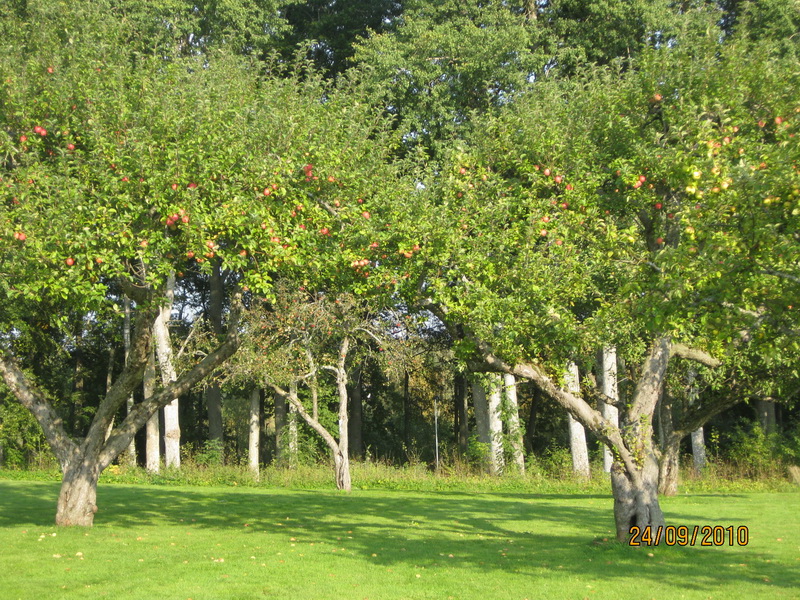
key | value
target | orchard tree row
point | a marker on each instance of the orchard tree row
(239, 196)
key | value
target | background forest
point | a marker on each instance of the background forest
(482, 237)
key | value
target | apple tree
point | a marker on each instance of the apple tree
(120, 170)
(654, 210)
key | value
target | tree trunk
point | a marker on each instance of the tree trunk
(406, 412)
(163, 343)
(253, 440)
(356, 416)
(698, 450)
(343, 462)
(461, 418)
(636, 497)
(577, 434)
(494, 405)
(530, 430)
(213, 393)
(283, 454)
(609, 388)
(77, 500)
(512, 421)
(152, 441)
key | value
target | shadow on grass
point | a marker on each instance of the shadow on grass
(488, 532)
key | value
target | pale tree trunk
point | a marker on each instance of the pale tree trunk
(172, 429)
(698, 450)
(494, 406)
(126, 340)
(253, 439)
(83, 462)
(577, 434)
(512, 422)
(609, 389)
(152, 437)
(213, 394)
(109, 381)
(291, 433)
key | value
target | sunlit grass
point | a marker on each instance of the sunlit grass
(241, 542)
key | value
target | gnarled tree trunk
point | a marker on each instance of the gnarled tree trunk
(77, 499)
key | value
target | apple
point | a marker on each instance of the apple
(415, 248)
(564, 205)
(243, 253)
(185, 219)
(143, 243)
(70, 146)
(569, 187)
(324, 231)
(210, 244)
(23, 139)
(642, 178)
(192, 185)
(365, 214)
(331, 178)
(559, 242)
(174, 186)
(50, 70)
(70, 261)
(543, 232)
(546, 172)
(267, 191)
(558, 179)
(190, 254)
(275, 239)
(20, 236)
(659, 241)
(545, 219)
(658, 205)
(361, 201)
(209, 255)
(373, 245)
(462, 171)
(657, 97)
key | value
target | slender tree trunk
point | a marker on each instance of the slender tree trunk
(172, 429)
(577, 434)
(461, 418)
(609, 389)
(514, 429)
(253, 440)
(152, 442)
(109, 381)
(283, 455)
(698, 450)
(126, 340)
(494, 406)
(356, 416)
(214, 391)
(342, 457)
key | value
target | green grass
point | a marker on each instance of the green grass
(215, 542)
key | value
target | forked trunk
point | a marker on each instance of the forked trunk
(77, 500)
(636, 501)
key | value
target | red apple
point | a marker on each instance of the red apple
(365, 214)
(192, 185)
(659, 241)
(23, 139)
(324, 231)
(70, 261)
(546, 172)
(545, 219)
(243, 253)
(658, 205)
(543, 232)
(569, 187)
(50, 70)
(174, 186)
(559, 242)
(70, 146)
(558, 179)
(564, 205)
(267, 191)
(20, 236)
(190, 254)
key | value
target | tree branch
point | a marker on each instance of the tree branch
(694, 354)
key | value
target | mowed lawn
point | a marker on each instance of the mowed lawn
(153, 542)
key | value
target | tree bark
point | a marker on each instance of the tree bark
(766, 414)
(514, 429)
(494, 406)
(577, 434)
(253, 439)
(77, 499)
(698, 450)
(481, 408)
(163, 343)
(608, 386)
(152, 439)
